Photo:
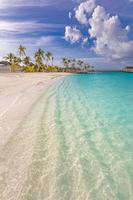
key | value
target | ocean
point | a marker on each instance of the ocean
(76, 142)
(93, 118)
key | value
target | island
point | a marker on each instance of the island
(128, 69)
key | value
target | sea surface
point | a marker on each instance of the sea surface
(93, 117)
(84, 141)
(94, 121)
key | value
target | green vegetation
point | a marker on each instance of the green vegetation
(43, 62)
(13, 60)
(128, 69)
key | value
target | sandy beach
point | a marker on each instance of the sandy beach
(60, 138)
(19, 93)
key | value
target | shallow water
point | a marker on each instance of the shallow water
(94, 118)
(82, 142)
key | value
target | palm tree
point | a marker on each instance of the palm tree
(80, 63)
(39, 56)
(15, 63)
(87, 67)
(52, 59)
(69, 61)
(9, 57)
(16, 60)
(26, 60)
(21, 51)
(73, 63)
(66, 62)
(48, 57)
(41, 53)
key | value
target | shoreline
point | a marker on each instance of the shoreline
(53, 133)
(18, 92)
(23, 103)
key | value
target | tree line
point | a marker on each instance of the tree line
(43, 62)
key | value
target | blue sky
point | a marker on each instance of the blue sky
(58, 26)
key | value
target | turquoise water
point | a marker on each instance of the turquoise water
(94, 121)
(75, 143)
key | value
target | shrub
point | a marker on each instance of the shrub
(29, 69)
(52, 69)
(13, 67)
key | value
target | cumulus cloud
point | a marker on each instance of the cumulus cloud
(72, 34)
(110, 39)
(83, 10)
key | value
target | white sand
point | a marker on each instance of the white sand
(21, 143)
(17, 94)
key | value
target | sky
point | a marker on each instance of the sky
(98, 31)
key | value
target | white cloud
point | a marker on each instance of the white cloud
(72, 34)
(84, 9)
(28, 41)
(45, 40)
(11, 35)
(70, 15)
(85, 40)
(111, 40)
(25, 26)
(32, 43)
(14, 3)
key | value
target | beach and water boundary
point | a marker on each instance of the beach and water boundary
(73, 142)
